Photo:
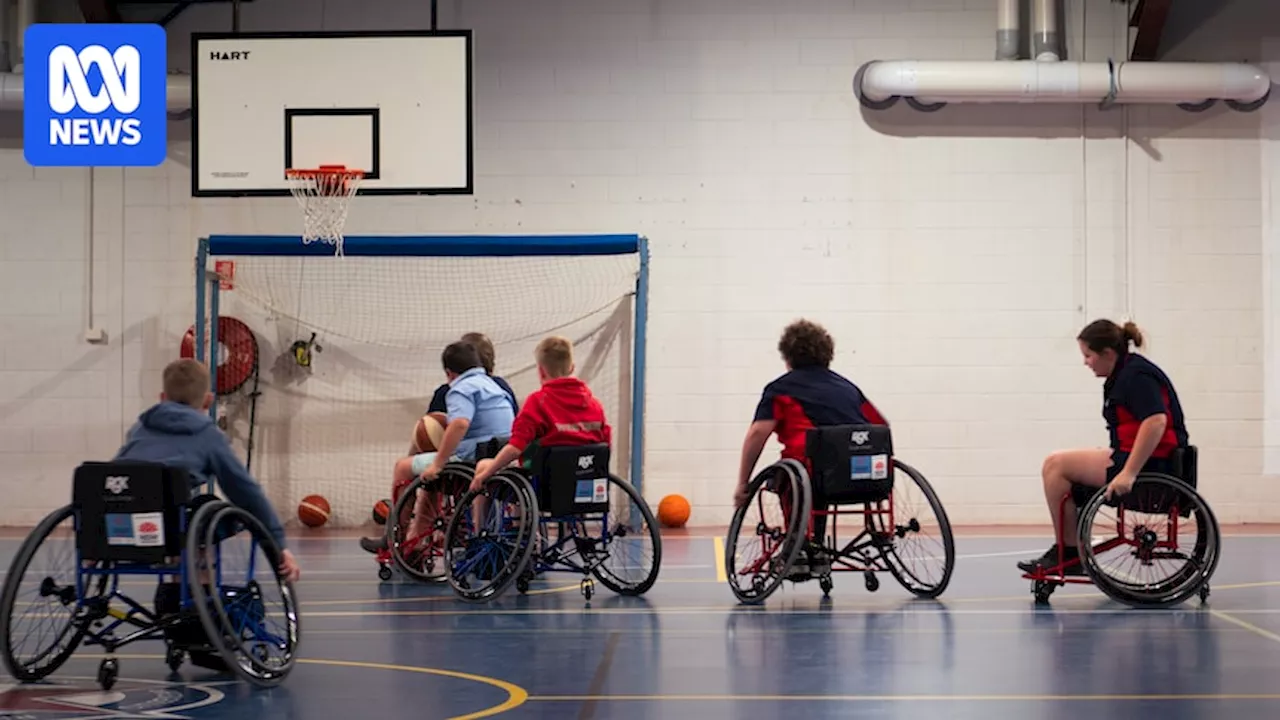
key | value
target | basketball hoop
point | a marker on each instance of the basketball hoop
(324, 193)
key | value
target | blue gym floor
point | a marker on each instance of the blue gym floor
(396, 650)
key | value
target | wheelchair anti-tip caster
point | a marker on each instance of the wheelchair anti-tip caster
(174, 658)
(522, 585)
(1042, 590)
(588, 588)
(107, 673)
(826, 584)
(873, 582)
(384, 573)
(1204, 592)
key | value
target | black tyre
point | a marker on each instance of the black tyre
(485, 555)
(922, 567)
(234, 615)
(754, 580)
(51, 592)
(1124, 568)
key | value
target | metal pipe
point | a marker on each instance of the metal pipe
(26, 17)
(5, 66)
(1044, 43)
(1007, 29)
(178, 90)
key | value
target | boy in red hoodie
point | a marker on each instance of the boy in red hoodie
(562, 412)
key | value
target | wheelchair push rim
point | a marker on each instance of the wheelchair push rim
(482, 564)
(226, 623)
(1162, 522)
(903, 537)
(422, 557)
(780, 534)
(61, 595)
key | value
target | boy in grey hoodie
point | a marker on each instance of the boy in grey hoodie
(178, 432)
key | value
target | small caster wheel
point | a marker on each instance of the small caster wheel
(174, 658)
(1204, 592)
(873, 582)
(522, 585)
(1042, 590)
(588, 589)
(826, 585)
(107, 673)
(384, 573)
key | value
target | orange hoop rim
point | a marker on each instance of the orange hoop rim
(322, 171)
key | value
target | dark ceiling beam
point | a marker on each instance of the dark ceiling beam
(100, 11)
(1149, 17)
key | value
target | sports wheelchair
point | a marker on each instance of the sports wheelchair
(851, 465)
(599, 522)
(1146, 524)
(140, 519)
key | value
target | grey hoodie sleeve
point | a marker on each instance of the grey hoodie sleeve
(241, 489)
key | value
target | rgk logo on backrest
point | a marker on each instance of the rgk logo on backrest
(96, 95)
(121, 79)
(586, 462)
(860, 437)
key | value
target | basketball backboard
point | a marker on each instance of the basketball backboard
(395, 104)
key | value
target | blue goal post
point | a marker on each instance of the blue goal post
(214, 247)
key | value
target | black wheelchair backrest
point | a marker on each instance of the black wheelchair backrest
(129, 511)
(1186, 461)
(572, 479)
(849, 459)
(488, 449)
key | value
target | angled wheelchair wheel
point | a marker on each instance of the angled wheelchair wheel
(43, 613)
(1157, 546)
(248, 612)
(768, 531)
(919, 548)
(421, 557)
(628, 541)
(488, 540)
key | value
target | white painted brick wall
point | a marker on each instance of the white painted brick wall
(954, 255)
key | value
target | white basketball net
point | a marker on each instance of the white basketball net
(324, 196)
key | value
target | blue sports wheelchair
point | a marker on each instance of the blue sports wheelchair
(566, 513)
(131, 519)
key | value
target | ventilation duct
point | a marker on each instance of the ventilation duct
(928, 85)
(178, 90)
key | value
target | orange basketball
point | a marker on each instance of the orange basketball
(313, 511)
(428, 432)
(673, 511)
(381, 510)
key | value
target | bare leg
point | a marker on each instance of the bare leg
(1060, 470)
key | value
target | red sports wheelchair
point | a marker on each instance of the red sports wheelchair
(844, 465)
(1162, 521)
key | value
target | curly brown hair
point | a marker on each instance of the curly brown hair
(805, 343)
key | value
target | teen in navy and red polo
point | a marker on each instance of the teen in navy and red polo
(1135, 391)
(809, 397)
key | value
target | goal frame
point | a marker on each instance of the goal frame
(207, 286)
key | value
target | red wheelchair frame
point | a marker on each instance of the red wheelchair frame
(1147, 544)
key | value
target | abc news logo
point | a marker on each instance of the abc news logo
(69, 93)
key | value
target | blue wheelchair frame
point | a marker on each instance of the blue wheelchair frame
(98, 573)
(538, 558)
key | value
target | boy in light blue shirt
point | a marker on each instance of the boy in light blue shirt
(478, 410)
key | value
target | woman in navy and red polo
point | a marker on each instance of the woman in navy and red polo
(1144, 420)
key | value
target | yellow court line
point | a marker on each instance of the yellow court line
(717, 543)
(1245, 625)
(895, 698)
(516, 695)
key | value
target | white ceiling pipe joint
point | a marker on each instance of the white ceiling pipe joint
(927, 85)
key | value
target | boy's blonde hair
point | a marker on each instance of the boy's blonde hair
(555, 356)
(186, 381)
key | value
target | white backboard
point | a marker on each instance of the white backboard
(396, 105)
